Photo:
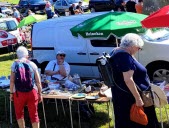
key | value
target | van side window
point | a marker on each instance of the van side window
(3, 26)
(110, 42)
(11, 25)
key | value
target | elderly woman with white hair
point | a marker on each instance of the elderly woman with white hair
(25, 88)
(128, 75)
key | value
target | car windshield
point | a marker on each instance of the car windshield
(4, 8)
(23, 2)
(8, 25)
(35, 1)
(160, 34)
(73, 1)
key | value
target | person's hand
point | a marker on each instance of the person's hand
(40, 98)
(139, 102)
(11, 97)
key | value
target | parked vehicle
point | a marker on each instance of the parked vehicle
(101, 5)
(6, 10)
(6, 39)
(82, 53)
(10, 25)
(37, 6)
(3, 15)
(62, 5)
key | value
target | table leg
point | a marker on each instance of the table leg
(5, 107)
(10, 107)
(63, 108)
(70, 113)
(44, 113)
(112, 112)
(108, 112)
(56, 104)
(79, 114)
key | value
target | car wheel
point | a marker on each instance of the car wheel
(92, 10)
(159, 73)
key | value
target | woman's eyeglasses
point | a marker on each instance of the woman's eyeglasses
(139, 48)
(62, 55)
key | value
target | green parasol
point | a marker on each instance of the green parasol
(112, 23)
(31, 19)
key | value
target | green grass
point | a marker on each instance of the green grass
(10, 1)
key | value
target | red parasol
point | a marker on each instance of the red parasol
(160, 18)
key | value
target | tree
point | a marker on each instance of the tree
(150, 6)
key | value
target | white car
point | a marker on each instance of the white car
(10, 25)
(6, 10)
(3, 15)
(62, 5)
(155, 54)
(7, 39)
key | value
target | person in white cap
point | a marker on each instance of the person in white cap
(58, 69)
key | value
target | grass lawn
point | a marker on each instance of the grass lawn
(10, 1)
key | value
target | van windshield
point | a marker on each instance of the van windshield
(73, 1)
(8, 26)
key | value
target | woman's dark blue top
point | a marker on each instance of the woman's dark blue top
(121, 61)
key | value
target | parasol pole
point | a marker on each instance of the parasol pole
(117, 42)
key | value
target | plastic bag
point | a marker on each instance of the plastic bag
(137, 115)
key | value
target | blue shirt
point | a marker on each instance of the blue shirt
(122, 61)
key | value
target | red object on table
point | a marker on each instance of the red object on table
(157, 19)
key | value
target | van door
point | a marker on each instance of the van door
(96, 49)
(76, 51)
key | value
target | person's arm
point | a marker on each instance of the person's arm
(128, 78)
(12, 83)
(49, 69)
(51, 73)
(38, 84)
(62, 70)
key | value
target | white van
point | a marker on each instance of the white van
(52, 35)
(10, 25)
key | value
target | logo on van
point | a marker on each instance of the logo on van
(94, 34)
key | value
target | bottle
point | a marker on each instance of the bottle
(76, 79)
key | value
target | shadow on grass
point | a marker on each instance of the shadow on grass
(6, 57)
(58, 121)
(54, 120)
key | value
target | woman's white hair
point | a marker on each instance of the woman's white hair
(131, 39)
(21, 52)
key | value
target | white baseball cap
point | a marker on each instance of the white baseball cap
(60, 52)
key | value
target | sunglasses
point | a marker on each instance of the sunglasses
(139, 48)
(62, 55)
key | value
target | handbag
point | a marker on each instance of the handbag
(147, 98)
(137, 115)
